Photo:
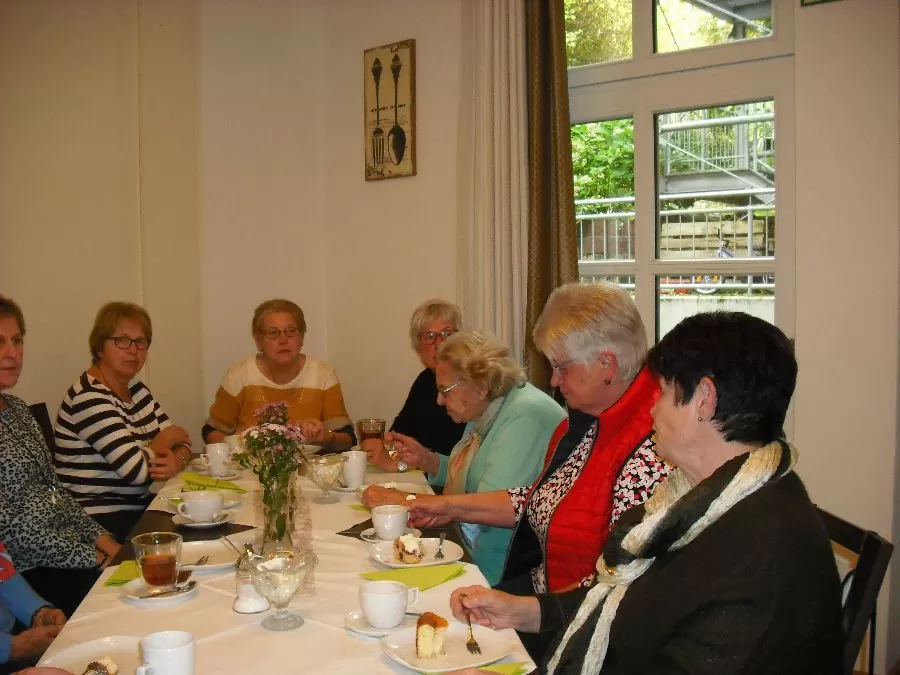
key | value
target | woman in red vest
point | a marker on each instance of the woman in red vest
(600, 461)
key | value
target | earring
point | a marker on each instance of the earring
(699, 419)
(607, 381)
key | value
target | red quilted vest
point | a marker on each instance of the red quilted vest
(580, 523)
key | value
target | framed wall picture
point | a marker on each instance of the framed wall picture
(389, 74)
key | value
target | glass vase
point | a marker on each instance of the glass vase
(278, 512)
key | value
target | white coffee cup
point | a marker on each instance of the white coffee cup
(390, 520)
(170, 652)
(202, 506)
(214, 456)
(384, 603)
(354, 468)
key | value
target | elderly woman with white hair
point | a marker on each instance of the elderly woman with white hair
(600, 461)
(421, 417)
(508, 425)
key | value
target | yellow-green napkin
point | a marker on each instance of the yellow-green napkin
(359, 507)
(423, 577)
(506, 668)
(195, 480)
(124, 573)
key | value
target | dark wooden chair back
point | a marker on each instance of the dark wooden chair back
(860, 586)
(42, 415)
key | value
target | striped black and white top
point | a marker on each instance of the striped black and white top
(99, 445)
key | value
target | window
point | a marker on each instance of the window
(677, 196)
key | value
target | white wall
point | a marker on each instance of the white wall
(846, 69)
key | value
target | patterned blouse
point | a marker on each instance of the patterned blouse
(40, 522)
(641, 473)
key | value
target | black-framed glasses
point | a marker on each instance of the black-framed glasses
(124, 342)
(276, 333)
(429, 336)
(443, 391)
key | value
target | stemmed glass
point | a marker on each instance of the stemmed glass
(325, 471)
(277, 578)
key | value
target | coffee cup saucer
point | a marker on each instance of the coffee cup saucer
(221, 519)
(372, 538)
(133, 591)
(356, 622)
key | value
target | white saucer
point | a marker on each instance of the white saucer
(341, 488)
(231, 475)
(356, 622)
(123, 649)
(369, 535)
(135, 588)
(223, 518)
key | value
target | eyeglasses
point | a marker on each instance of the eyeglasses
(275, 333)
(428, 337)
(560, 368)
(124, 342)
(443, 391)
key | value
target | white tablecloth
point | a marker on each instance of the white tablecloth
(228, 642)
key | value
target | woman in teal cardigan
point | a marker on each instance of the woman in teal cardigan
(509, 423)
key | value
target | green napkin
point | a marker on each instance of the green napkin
(506, 668)
(423, 577)
(124, 573)
(195, 480)
(359, 507)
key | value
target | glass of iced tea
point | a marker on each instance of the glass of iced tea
(158, 555)
(370, 428)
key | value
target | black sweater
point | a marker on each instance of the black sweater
(422, 418)
(757, 593)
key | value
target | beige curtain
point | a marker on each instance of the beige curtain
(552, 237)
(492, 179)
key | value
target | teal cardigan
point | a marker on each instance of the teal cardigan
(511, 455)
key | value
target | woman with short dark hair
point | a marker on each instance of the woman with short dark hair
(727, 568)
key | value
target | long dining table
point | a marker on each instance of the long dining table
(228, 642)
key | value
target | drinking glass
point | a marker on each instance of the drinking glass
(370, 428)
(158, 555)
(325, 471)
(277, 577)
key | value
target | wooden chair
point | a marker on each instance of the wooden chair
(42, 415)
(860, 586)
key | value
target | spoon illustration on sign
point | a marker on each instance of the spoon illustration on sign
(396, 136)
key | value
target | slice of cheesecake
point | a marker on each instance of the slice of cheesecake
(430, 629)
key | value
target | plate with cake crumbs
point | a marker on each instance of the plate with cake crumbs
(389, 553)
(445, 650)
(119, 650)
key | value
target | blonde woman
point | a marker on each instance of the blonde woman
(508, 425)
(281, 372)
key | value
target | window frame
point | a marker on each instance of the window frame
(719, 75)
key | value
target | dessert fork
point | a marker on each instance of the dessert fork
(471, 643)
(439, 554)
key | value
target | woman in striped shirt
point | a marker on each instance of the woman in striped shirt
(112, 437)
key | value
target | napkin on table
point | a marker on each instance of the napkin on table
(423, 577)
(359, 507)
(124, 573)
(197, 481)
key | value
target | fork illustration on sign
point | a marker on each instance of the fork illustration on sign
(378, 133)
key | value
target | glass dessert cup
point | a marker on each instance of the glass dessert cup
(325, 471)
(277, 577)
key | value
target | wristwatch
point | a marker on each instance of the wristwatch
(411, 497)
(402, 466)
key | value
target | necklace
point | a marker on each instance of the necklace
(291, 396)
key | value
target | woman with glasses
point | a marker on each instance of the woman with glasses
(281, 373)
(599, 462)
(113, 439)
(508, 425)
(421, 417)
(55, 545)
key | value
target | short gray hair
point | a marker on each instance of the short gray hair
(481, 358)
(580, 320)
(432, 310)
